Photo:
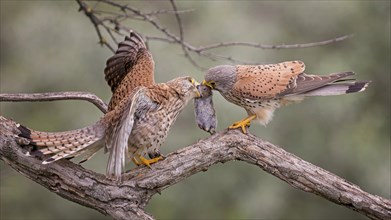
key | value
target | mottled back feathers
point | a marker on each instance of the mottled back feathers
(266, 81)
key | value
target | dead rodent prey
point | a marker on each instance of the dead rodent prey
(204, 110)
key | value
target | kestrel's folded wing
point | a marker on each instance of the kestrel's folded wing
(332, 84)
(130, 67)
(266, 81)
(120, 124)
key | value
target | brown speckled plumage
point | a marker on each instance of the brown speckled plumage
(139, 118)
(260, 89)
(130, 67)
(140, 124)
(266, 81)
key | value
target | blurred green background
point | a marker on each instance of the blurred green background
(50, 46)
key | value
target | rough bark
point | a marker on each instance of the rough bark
(128, 198)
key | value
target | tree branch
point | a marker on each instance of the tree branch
(88, 12)
(53, 96)
(127, 200)
(116, 12)
(269, 46)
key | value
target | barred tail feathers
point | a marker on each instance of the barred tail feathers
(66, 144)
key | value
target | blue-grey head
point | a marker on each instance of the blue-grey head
(221, 78)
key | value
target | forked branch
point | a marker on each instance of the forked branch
(127, 200)
(112, 20)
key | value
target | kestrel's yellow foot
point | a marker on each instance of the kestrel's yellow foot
(243, 123)
(150, 161)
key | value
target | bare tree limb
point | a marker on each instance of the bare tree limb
(88, 12)
(269, 46)
(123, 12)
(53, 96)
(181, 36)
(127, 200)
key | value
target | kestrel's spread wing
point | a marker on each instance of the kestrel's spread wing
(266, 81)
(130, 67)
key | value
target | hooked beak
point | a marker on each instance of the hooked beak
(207, 84)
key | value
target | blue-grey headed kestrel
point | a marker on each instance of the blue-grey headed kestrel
(139, 118)
(260, 89)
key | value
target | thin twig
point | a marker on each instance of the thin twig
(109, 31)
(159, 12)
(179, 21)
(95, 21)
(270, 46)
(132, 13)
(181, 37)
(145, 17)
(160, 39)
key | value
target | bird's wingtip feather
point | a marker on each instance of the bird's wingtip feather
(358, 87)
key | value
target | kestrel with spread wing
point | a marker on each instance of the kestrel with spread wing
(260, 89)
(141, 114)
(130, 67)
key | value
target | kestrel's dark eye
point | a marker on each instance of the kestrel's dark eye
(213, 84)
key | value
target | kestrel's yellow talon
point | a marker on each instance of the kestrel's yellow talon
(156, 159)
(150, 161)
(243, 124)
(240, 124)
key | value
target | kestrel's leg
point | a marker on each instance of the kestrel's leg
(145, 161)
(135, 161)
(134, 158)
(243, 123)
